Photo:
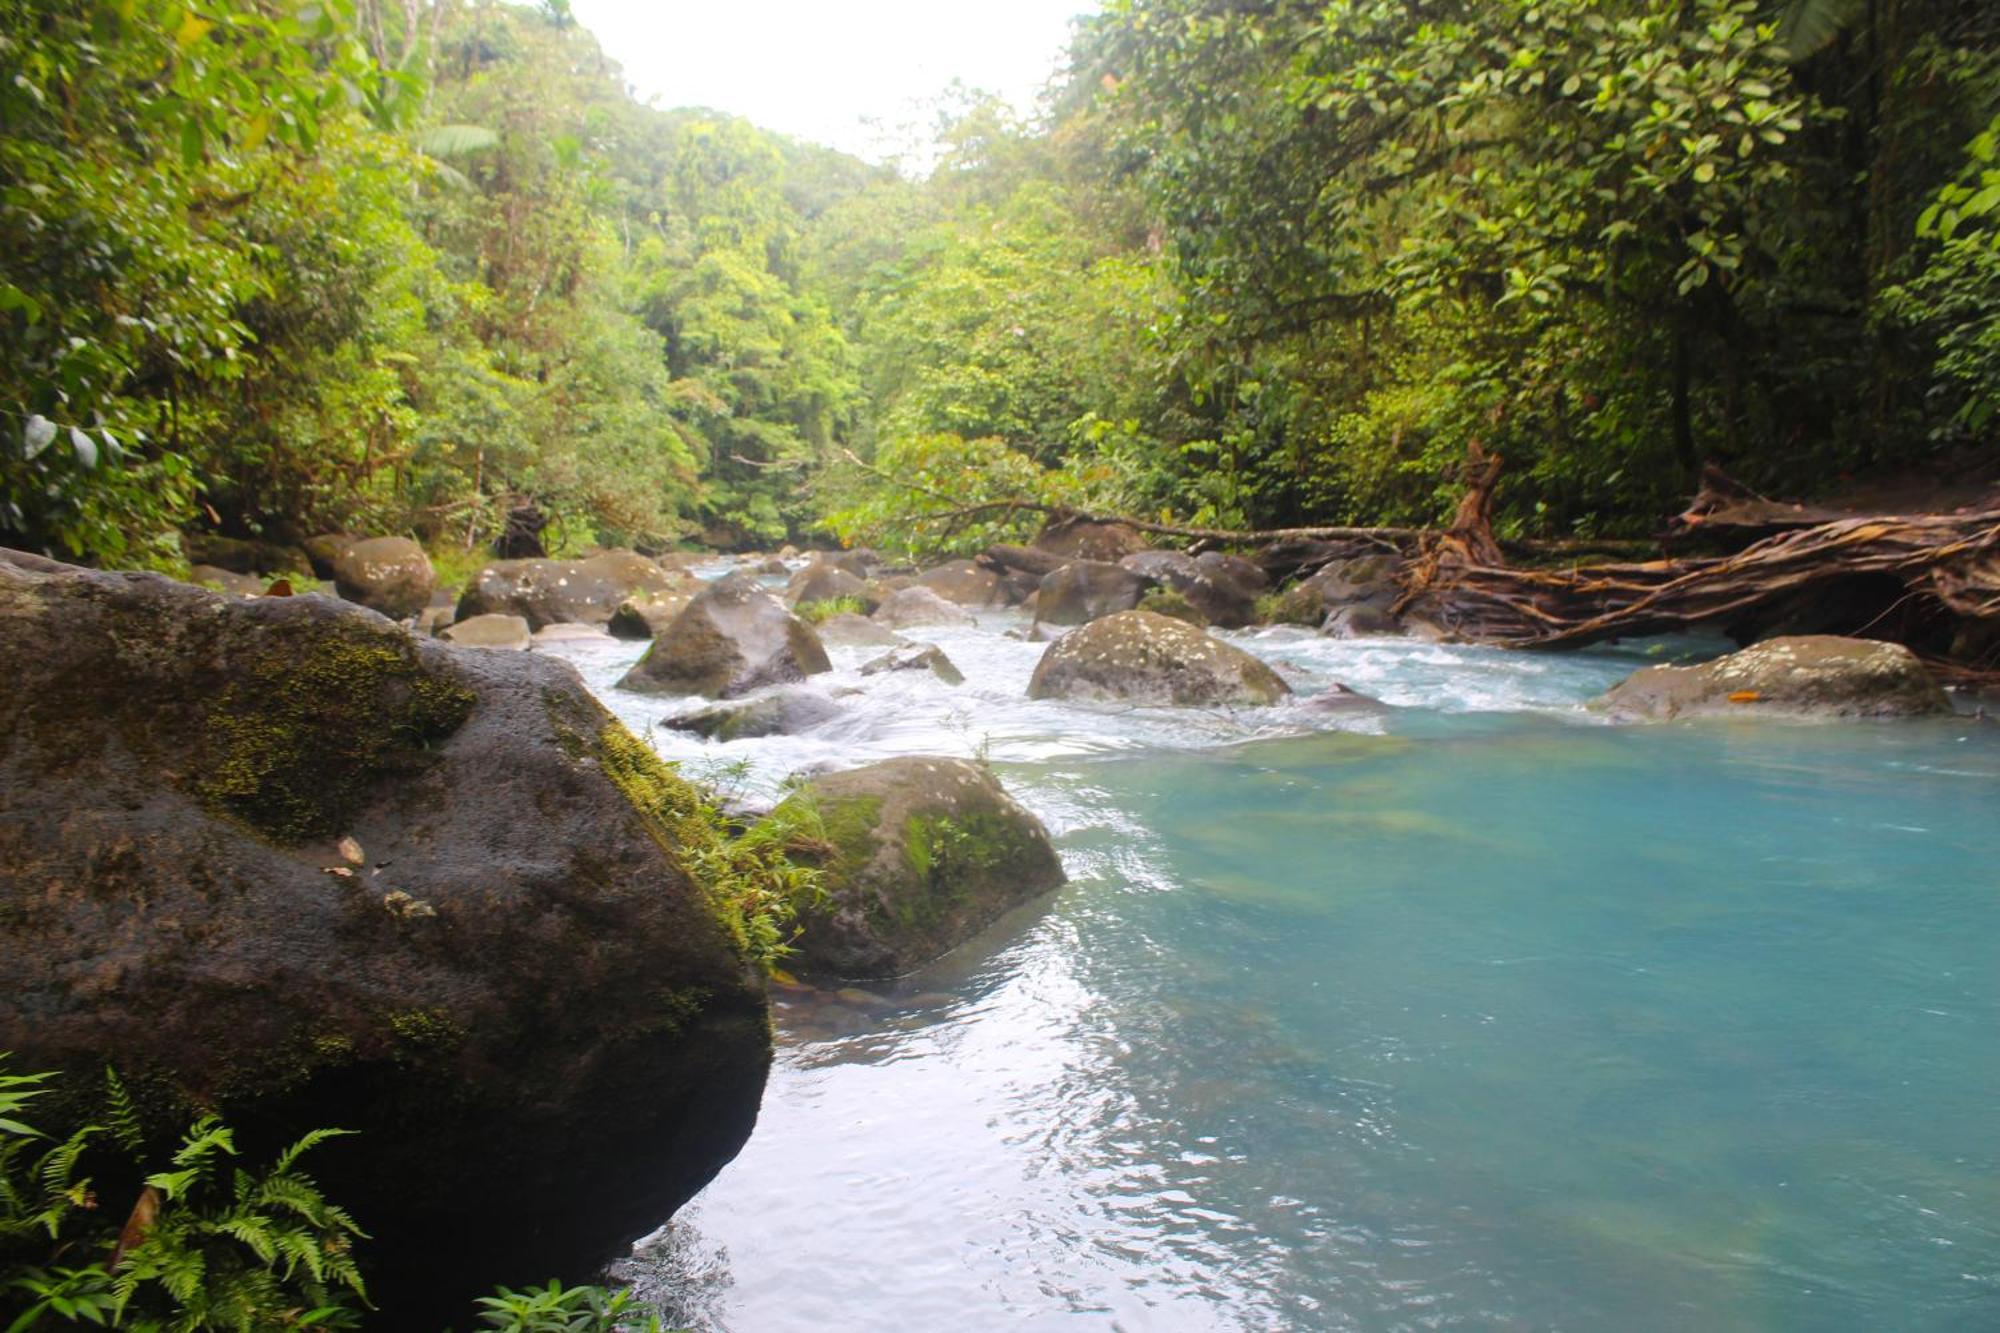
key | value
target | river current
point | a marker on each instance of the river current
(1466, 1010)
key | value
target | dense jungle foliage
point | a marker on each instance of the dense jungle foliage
(275, 267)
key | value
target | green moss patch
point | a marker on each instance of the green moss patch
(313, 720)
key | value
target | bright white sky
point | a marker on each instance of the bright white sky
(820, 69)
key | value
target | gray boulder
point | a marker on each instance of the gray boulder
(588, 591)
(225, 580)
(281, 860)
(243, 556)
(1082, 540)
(925, 854)
(1139, 657)
(734, 637)
(387, 574)
(965, 583)
(785, 713)
(646, 614)
(322, 551)
(828, 583)
(908, 607)
(917, 657)
(488, 631)
(1082, 590)
(1214, 590)
(848, 630)
(1803, 676)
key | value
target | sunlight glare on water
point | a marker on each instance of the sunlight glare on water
(1463, 1011)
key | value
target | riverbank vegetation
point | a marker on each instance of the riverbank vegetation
(277, 269)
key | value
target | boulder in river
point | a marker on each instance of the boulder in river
(965, 583)
(925, 854)
(734, 637)
(1082, 590)
(785, 713)
(1217, 591)
(829, 583)
(322, 551)
(644, 615)
(917, 657)
(488, 631)
(387, 574)
(241, 555)
(1139, 657)
(847, 630)
(1808, 675)
(226, 580)
(282, 860)
(551, 592)
(1080, 539)
(907, 607)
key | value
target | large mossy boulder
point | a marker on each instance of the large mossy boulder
(1140, 657)
(387, 574)
(734, 637)
(1082, 590)
(282, 860)
(587, 591)
(926, 854)
(1804, 676)
(246, 556)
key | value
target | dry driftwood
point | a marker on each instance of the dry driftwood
(1945, 564)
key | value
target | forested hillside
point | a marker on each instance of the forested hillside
(268, 269)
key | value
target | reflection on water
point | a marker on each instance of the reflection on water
(1476, 1018)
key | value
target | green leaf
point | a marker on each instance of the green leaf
(86, 448)
(36, 436)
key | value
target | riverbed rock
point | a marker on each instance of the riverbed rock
(488, 631)
(551, 592)
(324, 550)
(1213, 590)
(734, 637)
(829, 583)
(240, 555)
(1090, 541)
(546, 1033)
(1361, 621)
(387, 574)
(1139, 657)
(926, 853)
(917, 657)
(226, 580)
(645, 614)
(909, 607)
(965, 583)
(1803, 676)
(1082, 590)
(848, 630)
(785, 713)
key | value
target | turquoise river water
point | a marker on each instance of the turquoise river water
(1468, 1011)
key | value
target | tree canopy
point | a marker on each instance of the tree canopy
(270, 268)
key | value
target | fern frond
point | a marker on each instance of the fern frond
(122, 1115)
(304, 1145)
(457, 140)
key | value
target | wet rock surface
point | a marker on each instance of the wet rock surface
(1139, 657)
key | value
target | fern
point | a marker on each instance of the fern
(1808, 27)
(457, 140)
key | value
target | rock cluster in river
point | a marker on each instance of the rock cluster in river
(550, 592)
(281, 859)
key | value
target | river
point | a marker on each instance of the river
(1468, 1010)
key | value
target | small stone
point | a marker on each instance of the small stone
(350, 851)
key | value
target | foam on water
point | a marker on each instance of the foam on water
(1464, 1011)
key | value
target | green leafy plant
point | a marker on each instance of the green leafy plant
(205, 1244)
(818, 613)
(559, 1309)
